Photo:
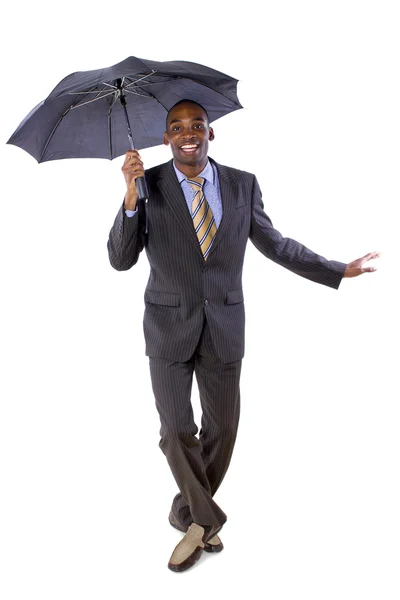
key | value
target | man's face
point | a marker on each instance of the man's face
(188, 134)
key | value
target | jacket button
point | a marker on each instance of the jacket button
(205, 302)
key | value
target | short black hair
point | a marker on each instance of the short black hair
(183, 102)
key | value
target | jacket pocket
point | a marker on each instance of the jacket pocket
(162, 298)
(234, 297)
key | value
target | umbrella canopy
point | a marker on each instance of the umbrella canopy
(90, 113)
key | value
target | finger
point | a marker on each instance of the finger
(131, 153)
(131, 156)
(369, 256)
(375, 254)
(134, 165)
(368, 269)
(136, 174)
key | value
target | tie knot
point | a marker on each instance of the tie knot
(196, 182)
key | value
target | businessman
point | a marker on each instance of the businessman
(194, 230)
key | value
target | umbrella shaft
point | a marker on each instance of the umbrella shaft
(123, 102)
(140, 181)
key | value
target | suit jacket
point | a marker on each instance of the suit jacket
(183, 289)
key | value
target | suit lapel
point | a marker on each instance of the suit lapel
(175, 198)
(229, 195)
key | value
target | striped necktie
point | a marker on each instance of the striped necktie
(203, 219)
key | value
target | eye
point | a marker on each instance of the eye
(199, 126)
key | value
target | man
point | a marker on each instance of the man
(199, 217)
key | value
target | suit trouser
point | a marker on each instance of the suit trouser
(198, 464)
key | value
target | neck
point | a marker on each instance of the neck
(191, 170)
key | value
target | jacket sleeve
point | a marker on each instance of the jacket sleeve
(126, 240)
(287, 252)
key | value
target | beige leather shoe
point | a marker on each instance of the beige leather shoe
(189, 549)
(212, 545)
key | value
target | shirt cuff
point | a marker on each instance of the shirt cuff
(130, 213)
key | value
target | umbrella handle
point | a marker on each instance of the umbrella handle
(141, 187)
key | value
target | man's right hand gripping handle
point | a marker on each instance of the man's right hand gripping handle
(132, 169)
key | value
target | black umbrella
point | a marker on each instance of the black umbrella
(82, 117)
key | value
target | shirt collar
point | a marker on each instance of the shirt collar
(207, 173)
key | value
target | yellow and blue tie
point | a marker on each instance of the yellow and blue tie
(203, 219)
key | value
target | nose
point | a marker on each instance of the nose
(187, 133)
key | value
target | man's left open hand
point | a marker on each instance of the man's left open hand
(356, 267)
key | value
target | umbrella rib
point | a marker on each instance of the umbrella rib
(52, 133)
(137, 93)
(93, 100)
(157, 100)
(87, 92)
(109, 132)
(152, 82)
(140, 78)
(109, 85)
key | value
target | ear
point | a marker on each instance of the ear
(211, 135)
(165, 139)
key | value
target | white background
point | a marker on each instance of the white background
(312, 494)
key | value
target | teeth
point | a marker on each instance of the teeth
(189, 146)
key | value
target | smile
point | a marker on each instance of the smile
(189, 148)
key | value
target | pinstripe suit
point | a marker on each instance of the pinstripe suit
(194, 319)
